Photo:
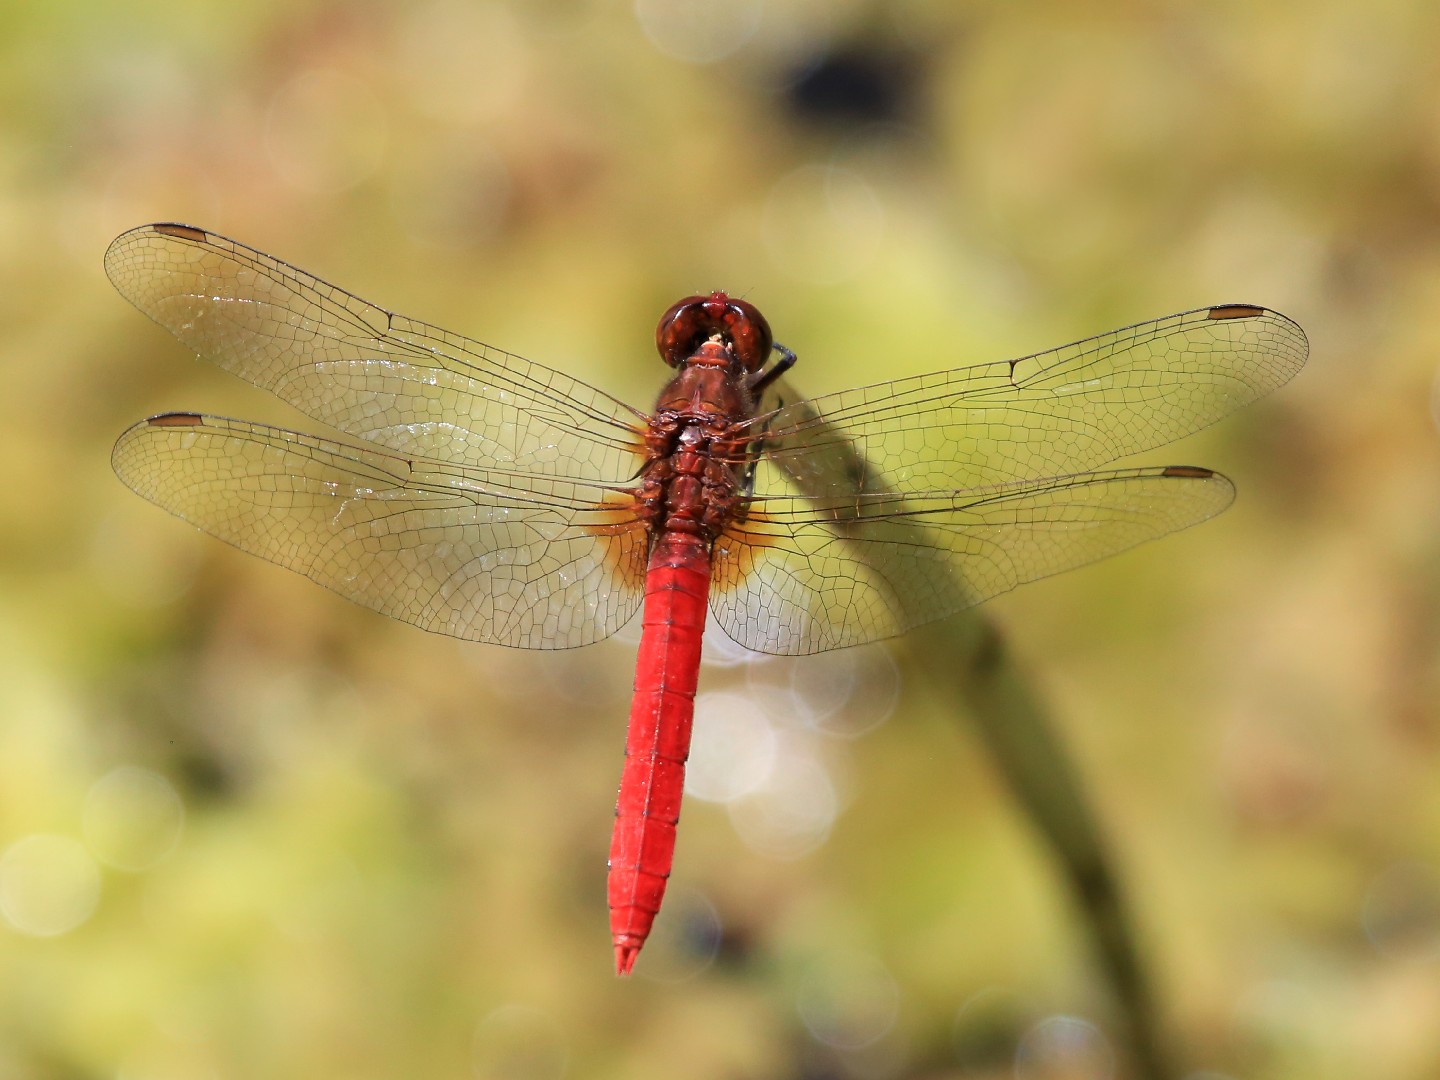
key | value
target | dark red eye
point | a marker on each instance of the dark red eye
(694, 320)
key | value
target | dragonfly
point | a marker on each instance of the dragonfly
(484, 496)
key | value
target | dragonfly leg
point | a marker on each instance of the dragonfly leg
(753, 450)
(761, 379)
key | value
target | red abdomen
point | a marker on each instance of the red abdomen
(658, 739)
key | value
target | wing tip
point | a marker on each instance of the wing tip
(175, 229)
(122, 453)
(1298, 347)
(121, 253)
(1199, 472)
(1219, 487)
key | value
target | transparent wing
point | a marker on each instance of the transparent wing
(1068, 410)
(803, 576)
(381, 377)
(486, 556)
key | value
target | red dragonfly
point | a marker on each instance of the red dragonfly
(496, 500)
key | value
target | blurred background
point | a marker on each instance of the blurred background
(247, 829)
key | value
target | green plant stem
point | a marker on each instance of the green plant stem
(970, 663)
(969, 659)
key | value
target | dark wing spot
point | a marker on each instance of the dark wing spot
(1189, 472)
(184, 232)
(1235, 311)
(177, 419)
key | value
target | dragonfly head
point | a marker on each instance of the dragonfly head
(691, 322)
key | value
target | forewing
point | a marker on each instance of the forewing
(1064, 411)
(803, 576)
(482, 556)
(387, 379)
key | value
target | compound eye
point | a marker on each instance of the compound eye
(691, 322)
(749, 333)
(681, 330)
